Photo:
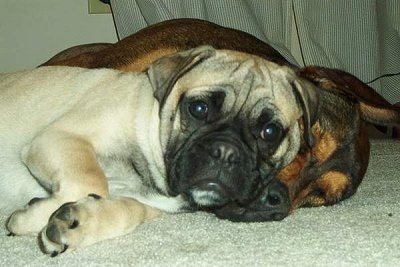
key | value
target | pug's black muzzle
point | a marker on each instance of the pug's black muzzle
(219, 173)
(214, 170)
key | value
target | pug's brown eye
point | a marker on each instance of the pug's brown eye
(198, 109)
(271, 132)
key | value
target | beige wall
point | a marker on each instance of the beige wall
(32, 31)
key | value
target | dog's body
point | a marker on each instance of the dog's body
(138, 51)
(99, 106)
(324, 174)
(200, 129)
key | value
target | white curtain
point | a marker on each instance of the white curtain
(359, 36)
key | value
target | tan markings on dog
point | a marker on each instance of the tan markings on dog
(305, 197)
(333, 184)
(325, 144)
(326, 190)
(142, 63)
(304, 194)
(291, 173)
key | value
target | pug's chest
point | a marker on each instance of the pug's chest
(124, 180)
(122, 177)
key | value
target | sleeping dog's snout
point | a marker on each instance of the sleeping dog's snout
(273, 199)
(271, 204)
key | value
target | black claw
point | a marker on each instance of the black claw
(74, 224)
(34, 200)
(10, 234)
(95, 196)
(64, 248)
(56, 253)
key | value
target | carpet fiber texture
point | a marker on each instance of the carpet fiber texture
(361, 231)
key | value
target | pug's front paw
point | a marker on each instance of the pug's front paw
(70, 226)
(31, 219)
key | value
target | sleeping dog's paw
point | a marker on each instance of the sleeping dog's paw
(92, 219)
(32, 219)
(70, 226)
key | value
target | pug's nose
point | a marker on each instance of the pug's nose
(225, 152)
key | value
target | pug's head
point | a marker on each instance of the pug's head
(229, 122)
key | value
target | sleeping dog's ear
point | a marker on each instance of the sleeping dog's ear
(164, 72)
(373, 107)
(307, 95)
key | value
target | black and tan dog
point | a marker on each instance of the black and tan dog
(333, 157)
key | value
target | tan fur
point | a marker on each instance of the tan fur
(143, 61)
(325, 144)
(331, 184)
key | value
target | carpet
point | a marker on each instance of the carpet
(361, 231)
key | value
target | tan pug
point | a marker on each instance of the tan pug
(198, 130)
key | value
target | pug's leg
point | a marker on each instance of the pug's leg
(66, 166)
(90, 220)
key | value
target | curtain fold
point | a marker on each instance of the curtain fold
(359, 36)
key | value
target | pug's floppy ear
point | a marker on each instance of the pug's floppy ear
(164, 72)
(307, 95)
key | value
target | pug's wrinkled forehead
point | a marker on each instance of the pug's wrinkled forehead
(249, 85)
(239, 85)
